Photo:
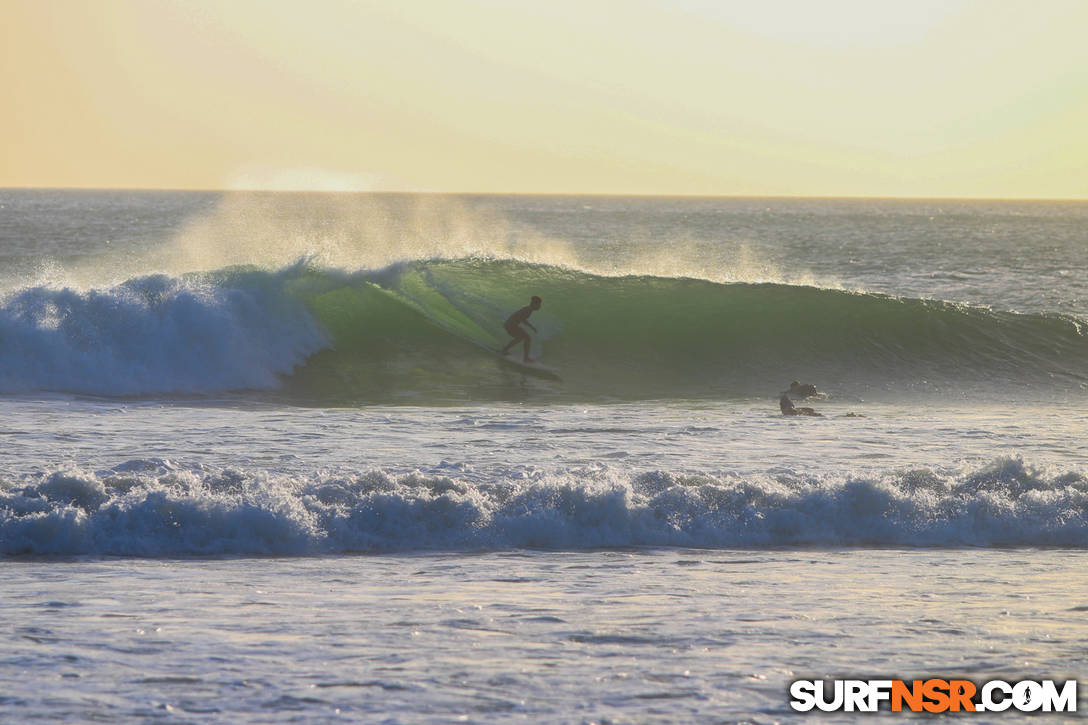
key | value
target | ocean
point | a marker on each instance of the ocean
(261, 463)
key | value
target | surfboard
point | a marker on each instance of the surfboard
(530, 368)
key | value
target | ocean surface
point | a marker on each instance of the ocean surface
(259, 461)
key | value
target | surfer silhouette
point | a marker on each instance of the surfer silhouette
(788, 408)
(513, 326)
(801, 390)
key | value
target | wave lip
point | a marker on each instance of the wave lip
(159, 508)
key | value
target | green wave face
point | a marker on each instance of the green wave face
(425, 332)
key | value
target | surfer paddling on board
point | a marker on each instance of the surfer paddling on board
(788, 408)
(801, 390)
(513, 326)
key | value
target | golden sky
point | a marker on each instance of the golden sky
(964, 98)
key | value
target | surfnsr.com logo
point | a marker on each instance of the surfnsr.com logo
(933, 695)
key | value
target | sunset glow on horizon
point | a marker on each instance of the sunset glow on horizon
(842, 98)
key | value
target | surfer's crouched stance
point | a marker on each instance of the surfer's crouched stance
(513, 326)
(789, 409)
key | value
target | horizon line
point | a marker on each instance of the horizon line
(613, 195)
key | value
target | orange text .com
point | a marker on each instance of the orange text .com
(933, 695)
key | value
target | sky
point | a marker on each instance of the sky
(920, 98)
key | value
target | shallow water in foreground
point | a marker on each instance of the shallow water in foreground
(684, 635)
(154, 480)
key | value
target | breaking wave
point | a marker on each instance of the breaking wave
(157, 508)
(425, 331)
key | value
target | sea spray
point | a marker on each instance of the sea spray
(373, 231)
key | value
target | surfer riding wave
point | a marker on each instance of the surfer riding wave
(513, 327)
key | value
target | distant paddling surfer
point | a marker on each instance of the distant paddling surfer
(516, 331)
(801, 390)
(788, 407)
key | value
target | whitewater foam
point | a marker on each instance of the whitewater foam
(156, 334)
(160, 508)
